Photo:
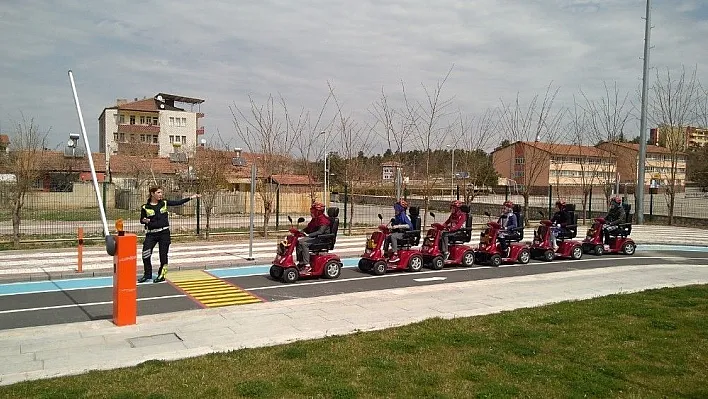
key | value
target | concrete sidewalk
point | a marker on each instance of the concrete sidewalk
(41, 352)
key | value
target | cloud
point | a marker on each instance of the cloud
(225, 51)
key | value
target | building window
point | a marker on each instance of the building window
(121, 119)
(172, 121)
(132, 119)
(142, 119)
(155, 139)
(155, 121)
(115, 136)
(519, 161)
(184, 139)
(184, 122)
(177, 139)
(172, 139)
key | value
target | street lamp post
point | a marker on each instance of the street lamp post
(452, 170)
(326, 172)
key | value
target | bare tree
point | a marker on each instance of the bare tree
(207, 174)
(310, 145)
(27, 144)
(354, 140)
(592, 161)
(427, 120)
(532, 123)
(607, 118)
(475, 134)
(672, 109)
(271, 138)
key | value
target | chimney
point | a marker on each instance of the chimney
(238, 152)
(121, 101)
(136, 99)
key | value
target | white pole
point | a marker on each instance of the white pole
(326, 172)
(110, 244)
(253, 200)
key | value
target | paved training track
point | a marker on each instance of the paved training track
(74, 300)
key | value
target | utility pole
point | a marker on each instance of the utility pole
(639, 191)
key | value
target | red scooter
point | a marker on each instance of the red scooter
(541, 248)
(488, 249)
(376, 261)
(459, 254)
(620, 243)
(322, 262)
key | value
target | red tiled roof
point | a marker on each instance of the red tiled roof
(125, 128)
(294, 180)
(651, 149)
(130, 164)
(570, 149)
(56, 161)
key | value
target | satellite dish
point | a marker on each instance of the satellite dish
(203, 141)
(159, 98)
(162, 106)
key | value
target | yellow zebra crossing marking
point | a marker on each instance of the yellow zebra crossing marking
(210, 291)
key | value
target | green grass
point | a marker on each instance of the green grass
(647, 345)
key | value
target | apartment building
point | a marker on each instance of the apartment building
(540, 164)
(658, 164)
(695, 136)
(151, 126)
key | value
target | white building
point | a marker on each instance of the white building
(152, 125)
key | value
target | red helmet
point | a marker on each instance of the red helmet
(508, 204)
(403, 203)
(317, 206)
(456, 204)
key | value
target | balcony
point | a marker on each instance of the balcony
(139, 129)
(200, 131)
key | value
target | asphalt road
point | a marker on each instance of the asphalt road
(77, 300)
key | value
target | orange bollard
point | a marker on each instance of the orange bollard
(125, 299)
(80, 259)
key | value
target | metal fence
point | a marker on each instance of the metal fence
(58, 216)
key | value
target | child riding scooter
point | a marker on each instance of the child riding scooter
(611, 233)
(562, 227)
(444, 243)
(320, 261)
(498, 243)
(402, 234)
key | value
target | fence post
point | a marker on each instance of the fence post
(589, 215)
(253, 199)
(80, 258)
(346, 199)
(277, 207)
(458, 192)
(651, 205)
(198, 212)
(550, 199)
(506, 192)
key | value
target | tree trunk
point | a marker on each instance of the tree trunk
(526, 208)
(208, 219)
(16, 219)
(585, 205)
(672, 198)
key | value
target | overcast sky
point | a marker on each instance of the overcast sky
(222, 51)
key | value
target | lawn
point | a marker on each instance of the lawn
(645, 345)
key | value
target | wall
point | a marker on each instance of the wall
(190, 131)
(83, 196)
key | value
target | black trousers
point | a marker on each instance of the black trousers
(162, 239)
